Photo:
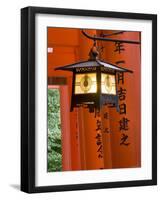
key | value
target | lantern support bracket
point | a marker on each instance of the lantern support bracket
(110, 39)
(111, 34)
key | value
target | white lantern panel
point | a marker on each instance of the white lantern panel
(85, 83)
(108, 84)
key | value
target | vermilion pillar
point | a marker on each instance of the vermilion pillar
(88, 122)
(64, 43)
(128, 56)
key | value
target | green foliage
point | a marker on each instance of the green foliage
(54, 131)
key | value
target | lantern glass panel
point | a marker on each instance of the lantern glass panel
(85, 83)
(108, 84)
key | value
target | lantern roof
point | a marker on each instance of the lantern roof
(93, 63)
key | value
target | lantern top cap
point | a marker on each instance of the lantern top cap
(93, 63)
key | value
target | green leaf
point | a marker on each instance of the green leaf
(54, 131)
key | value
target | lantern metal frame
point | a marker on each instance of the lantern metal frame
(93, 101)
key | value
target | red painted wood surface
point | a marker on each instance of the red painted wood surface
(79, 127)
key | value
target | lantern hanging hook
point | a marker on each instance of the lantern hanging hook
(94, 44)
(94, 53)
